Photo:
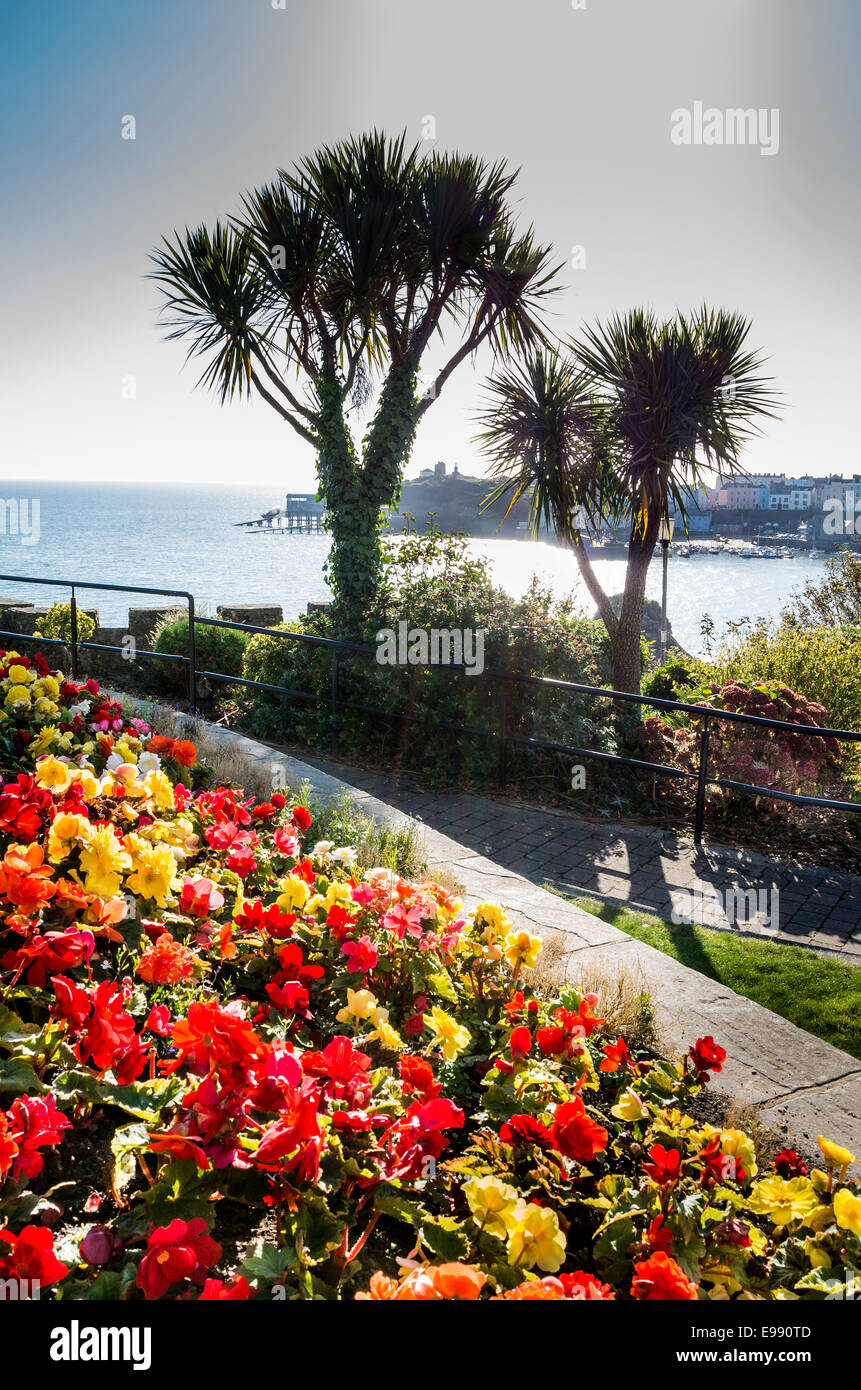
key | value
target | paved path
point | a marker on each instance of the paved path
(634, 866)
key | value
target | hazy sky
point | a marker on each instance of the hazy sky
(225, 91)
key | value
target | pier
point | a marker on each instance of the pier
(301, 514)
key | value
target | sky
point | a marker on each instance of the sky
(580, 96)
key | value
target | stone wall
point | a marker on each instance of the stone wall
(22, 618)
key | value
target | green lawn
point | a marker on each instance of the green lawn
(820, 995)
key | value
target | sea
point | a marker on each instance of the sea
(186, 538)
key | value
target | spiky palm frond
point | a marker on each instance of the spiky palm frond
(545, 440)
(214, 298)
(678, 395)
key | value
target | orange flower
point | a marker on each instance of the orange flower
(659, 1279)
(166, 962)
(427, 1284)
(159, 745)
(24, 877)
(184, 752)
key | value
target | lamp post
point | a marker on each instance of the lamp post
(665, 535)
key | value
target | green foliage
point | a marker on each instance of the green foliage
(57, 624)
(833, 600)
(672, 680)
(218, 649)
(822, 663)
(433, 582)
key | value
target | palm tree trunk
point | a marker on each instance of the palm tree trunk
(626, 648)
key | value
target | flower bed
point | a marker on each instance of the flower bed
(309, 1080)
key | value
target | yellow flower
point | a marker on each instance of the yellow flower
(43, 740)
(783, 1200)
(449, 1032)
(67, 831)
(44, 707)
(50, 686)
(834, 1155)
(160, 789)
(630, 1107)
(18, 697)
(388, 1036)
(55, 775)
(492, 1203)
(535, 1238)
(294, 895)
(361, 1003)
(103, 861)
(89, 782)
(522, 949)
(847, 1211)
(491, 918)
(154, 871)
(20, 675)
(740, 1146)
(338, 895)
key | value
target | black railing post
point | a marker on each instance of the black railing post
(334, 697)
(503, 735)
(702, 780)
(73, 609)
(192, 656)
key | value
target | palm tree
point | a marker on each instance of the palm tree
(620, 429)
(333, 281)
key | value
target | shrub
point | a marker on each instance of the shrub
(821, 663)
(789, 762)
(433, 582)
(57, 624)
(671, 680)
(218, 649)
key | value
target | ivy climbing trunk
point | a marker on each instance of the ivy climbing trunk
(357, 489)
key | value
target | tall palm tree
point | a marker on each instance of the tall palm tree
(333, 280)
(620, 428)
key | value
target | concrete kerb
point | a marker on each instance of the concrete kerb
(800, 1084)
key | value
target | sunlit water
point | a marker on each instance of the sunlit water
(183, 538)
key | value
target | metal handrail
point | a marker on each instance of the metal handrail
(505, 739)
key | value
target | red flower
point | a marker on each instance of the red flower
(665, 1165)
(110, 1029)
(520, 1043)
(575, 1134)
(182, 1250)
(789, 1165)
(30, 1255)
(525, 1129)
(706, 1056)
(586, 1286)
(616, 1055)
(659, 1236)
(215, 1290)
(361, 955)
(659, 1279)
(418, 1078)
(34, 1124)
(200, 897)
(301, 817)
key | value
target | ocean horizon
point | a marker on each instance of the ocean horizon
(185, 537)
